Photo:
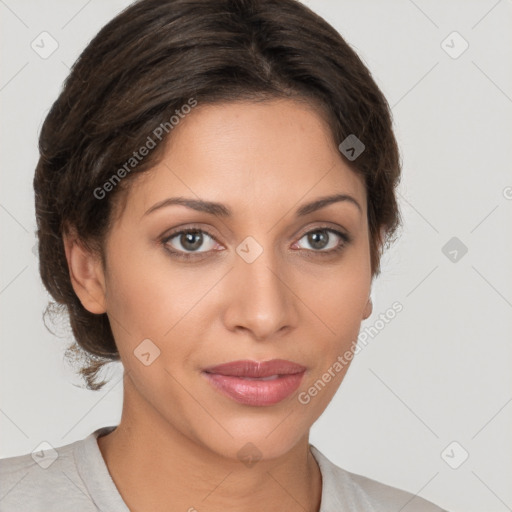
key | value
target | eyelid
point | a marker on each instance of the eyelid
(188, 227)
(327, 226)
(185, 229)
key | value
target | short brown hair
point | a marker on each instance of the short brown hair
(148, 62)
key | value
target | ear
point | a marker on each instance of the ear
(86, 273)
(368, 309)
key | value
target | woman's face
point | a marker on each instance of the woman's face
(264, 282)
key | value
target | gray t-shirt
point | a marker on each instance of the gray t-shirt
(75, 478)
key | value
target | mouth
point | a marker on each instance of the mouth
(256, 383)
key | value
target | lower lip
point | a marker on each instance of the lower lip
(256, 392)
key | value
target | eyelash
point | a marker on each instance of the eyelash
(346, 239)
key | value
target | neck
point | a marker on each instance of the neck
(157, 467)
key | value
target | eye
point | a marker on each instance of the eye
(188, 241)
(322, 240)
(185, 244)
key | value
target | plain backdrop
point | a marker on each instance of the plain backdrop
(432, 386)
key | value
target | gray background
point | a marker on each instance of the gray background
(440, 371)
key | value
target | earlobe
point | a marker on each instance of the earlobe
(86, 274)
(368, 309)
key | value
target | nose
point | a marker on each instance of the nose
(261, 298)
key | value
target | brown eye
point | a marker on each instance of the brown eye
(324, 240)
(189, 241)
(318, 239)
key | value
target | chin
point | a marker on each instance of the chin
(255, 438)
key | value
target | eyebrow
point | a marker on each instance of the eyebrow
(221, 210)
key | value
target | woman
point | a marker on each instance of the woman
(215, 188)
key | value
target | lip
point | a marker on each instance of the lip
(243, 381)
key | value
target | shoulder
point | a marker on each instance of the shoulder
(343, 490)
(44, 480)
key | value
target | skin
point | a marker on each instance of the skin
(176, 445)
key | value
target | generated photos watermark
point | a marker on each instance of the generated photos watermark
(152, 140)
(356, 346)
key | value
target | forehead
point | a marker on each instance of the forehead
(248, 155)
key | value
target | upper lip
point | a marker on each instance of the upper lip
(256, 369)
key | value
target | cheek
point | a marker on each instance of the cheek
(339, 296)
(339, 309)
(143, 294)
(338, 300)
(150, 300)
